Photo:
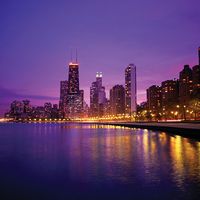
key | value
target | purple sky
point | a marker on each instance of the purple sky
(36, 37)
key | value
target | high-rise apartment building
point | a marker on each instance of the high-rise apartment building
(130, 89)
(154, 98)
(170, 93)
(196, 81)
(117, 99)
(185, 85)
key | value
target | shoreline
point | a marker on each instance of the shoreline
(185, 129)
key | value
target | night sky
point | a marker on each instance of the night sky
(36, 37)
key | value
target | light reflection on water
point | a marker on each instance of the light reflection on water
(112, 158)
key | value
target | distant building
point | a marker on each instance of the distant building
(27, 107)
(94, 99)
(117, 99)
(16, 109)
(154, 98)
(63, 98)
(130, 89)
(107, 108)
(86, 109)
(199, 55)
(185, 85)
(170, 93)
(74, 105)
(73, 78)
(196, 81)
(97, 96)
(55, 111)
(48, 109)
(74, 96)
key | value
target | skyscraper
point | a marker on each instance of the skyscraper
(73, 78)
(185, 85)
(170, 93)
(63, 98)
(154, 98)
(130, 89)
(74, 95)
(117, 99)
(196, 81)
(99, 79)
(94, 99)
(199, 55)
(97, 96)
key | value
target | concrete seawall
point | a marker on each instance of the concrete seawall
(189, 130)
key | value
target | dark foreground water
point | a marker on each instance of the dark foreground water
(73, 161)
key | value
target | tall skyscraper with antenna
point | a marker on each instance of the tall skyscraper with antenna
(74, 99)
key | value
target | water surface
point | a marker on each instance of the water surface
(74, 161)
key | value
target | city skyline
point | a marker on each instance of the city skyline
(37, 45)
(171, 99)
(122, 98)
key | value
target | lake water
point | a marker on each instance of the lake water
(74, 161)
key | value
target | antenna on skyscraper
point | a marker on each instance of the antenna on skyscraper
(71, 55)
(76, 56)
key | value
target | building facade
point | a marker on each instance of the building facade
(74, 95)
(185, 85)
(63, 98)
(154, 98)
(170, 93)
(97, 96)
(196, 82)
(117, 100)
(130, 89)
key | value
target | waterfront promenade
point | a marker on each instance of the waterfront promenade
(191, 130)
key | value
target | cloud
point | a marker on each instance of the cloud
(12, 94)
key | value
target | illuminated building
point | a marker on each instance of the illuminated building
(154, 98)
(94, 99)
(99, 79)
(97, 96)
(16, 109)
(63, 98)
(130, 89)
(196, 81)
(117, 99)
(107, 108)
(185, 85)
(170, 93)
(73, 79)
(47, 109)
(74, 107)
(55, 111)
(27, 106)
